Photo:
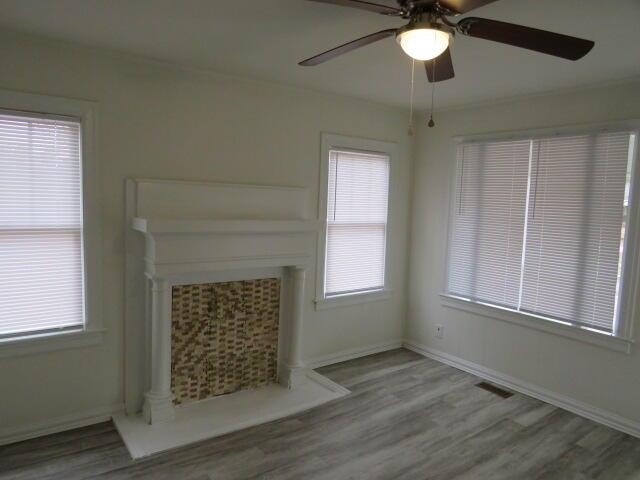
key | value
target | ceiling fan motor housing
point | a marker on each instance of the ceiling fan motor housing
(427, 25)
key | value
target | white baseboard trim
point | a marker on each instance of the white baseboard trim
(59, 424)
(591, 412)
(352, 353)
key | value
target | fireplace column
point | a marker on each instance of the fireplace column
(158, 402)
(295, 366)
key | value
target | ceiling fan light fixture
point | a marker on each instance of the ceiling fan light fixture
(424, 42)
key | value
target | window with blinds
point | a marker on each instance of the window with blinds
(41, 264)
(357, 199)
(538, 225)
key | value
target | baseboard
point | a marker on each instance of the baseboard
(591, 412)
(352, 353)
(59, 424)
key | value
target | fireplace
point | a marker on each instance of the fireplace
(215, 282)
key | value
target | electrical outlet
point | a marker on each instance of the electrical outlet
(439, 331)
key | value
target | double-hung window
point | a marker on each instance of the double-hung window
(355, 233)
(539, 226)
(41, 225)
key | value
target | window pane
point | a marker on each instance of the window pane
(355, 257)
(574, 227)
(359, 195)
(41, 285)
(356, 221)
(488, 221)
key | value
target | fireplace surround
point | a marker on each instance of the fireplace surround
(196, 234)
(224, 338)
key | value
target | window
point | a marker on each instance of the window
(538, 226)
(356, 222)
(355, 204)
(41, 228)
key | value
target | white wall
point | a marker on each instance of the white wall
(161, 122)
(600, 378)
(164, 122)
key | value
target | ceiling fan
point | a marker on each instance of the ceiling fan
(429, 33)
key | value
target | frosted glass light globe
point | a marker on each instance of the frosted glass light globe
(423, 43)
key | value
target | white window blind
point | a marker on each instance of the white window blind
(538, 225)
(357, 201)
(574, 228)
(41, 273)
(488, 232)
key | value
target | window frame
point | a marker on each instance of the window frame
(336, 142)
(621, 339)
(92, 330)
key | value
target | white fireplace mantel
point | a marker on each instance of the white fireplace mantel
(192, 232)
(196, 250)
(175, 248)
(172, 226)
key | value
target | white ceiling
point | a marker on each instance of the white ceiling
(266, 38)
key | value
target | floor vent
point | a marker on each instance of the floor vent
(494, 389)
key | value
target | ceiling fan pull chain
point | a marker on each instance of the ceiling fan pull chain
(411, 130)
(433, 91)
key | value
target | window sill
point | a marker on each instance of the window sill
(601, 339)
(38, 343)
(353, 299)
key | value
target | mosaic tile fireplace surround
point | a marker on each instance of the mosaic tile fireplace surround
(224, 337)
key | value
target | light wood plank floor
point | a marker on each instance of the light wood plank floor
(407, 418)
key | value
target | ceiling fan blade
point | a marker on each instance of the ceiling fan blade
(347, 47)
(440, 68)
(361, 4)
(555, 44)
(463, 6)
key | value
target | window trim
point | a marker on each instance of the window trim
(620, 340)
(538, 322)
(333, 141)
(92, 331)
